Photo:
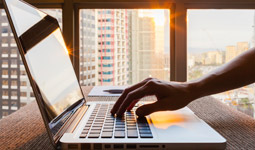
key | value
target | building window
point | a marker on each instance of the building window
(5, 103)
(5, 113)
(23, 94)
(14, 93)
(4, 72)
(14, 72)
(5, 93)
(23, 83)
(5, 82)
(13, 83)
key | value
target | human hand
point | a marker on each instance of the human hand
(170, 96)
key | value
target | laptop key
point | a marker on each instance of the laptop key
(107, 130)
(132, 134)
(119, 129)
(86, 128)
(108, 124)
(146, 136)
(83, 135)
(143, 128)
(108, 127)
(119, 126)
(144, 131)
(95, 132)
(119, 134)
(106, 135)
(96, 128)
(131, 128)
(93, 136)
(97, 125)
(84, 131)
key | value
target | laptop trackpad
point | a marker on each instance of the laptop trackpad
(180, 125)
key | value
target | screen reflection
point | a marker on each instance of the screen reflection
(51, 69)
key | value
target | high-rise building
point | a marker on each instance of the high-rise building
(112, 47)
(10, 94)
(213, 58)
(242, 47)
(147, 46)
(88, 47)
(231, 52)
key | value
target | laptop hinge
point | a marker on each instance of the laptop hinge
(71, 123)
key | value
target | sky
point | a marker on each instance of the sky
(215, 29)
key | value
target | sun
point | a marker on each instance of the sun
(156, 14)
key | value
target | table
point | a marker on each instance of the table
(24, 129)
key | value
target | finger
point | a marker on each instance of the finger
(125, 93)
(135, 95)
(148, 109)
(132, 105)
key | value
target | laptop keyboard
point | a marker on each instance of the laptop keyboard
(102, 124)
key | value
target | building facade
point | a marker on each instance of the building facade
(112, 47)
(147, 54)
(88, 48)
(10, 94)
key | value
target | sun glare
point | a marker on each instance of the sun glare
(156, 14)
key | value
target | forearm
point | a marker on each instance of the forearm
(237, 73)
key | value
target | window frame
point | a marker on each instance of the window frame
(178, 23)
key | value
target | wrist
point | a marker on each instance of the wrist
(194, 90)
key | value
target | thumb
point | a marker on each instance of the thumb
(147, 109)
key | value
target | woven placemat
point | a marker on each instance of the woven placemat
(24, 129)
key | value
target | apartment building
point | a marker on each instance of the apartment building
(147, 55)
(112, 47)
(88, 48)
(10, 94)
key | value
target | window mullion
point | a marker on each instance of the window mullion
(180, 53)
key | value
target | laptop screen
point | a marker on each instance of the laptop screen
(47, 57)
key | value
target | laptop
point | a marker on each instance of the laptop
(71, 121)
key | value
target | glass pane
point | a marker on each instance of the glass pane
(16, 85)
(54, 77)
(214, 38)
(123, 46)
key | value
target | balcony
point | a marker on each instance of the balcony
(4, 65)
(4, 55)
(14, 55)
(5, 76)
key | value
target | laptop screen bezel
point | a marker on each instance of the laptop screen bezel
(39, 100)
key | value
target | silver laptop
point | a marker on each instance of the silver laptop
(73, 123)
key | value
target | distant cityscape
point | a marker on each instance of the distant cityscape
(242, 99)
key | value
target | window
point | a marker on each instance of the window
(14, 72)
(14, 51)
(131, 43)
(214, 38)
(5, 93)
(23, 94)
(14, 93)
(23, 83)
(4, 72)
(5, 82)
(13, 83)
